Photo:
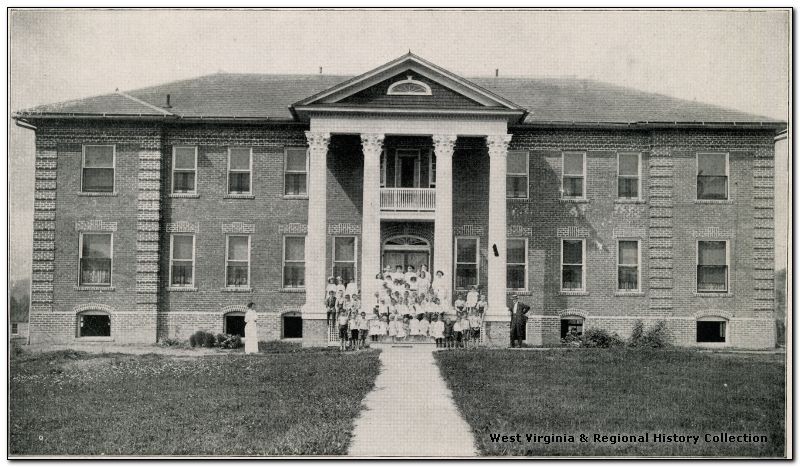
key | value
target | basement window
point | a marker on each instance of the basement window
(292, 326)
(14, 329)
(711, 330)
(571, 325)
(234, 324)
(94, 324)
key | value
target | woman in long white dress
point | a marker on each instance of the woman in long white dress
(250, 330)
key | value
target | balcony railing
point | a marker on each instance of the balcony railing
(408, 199)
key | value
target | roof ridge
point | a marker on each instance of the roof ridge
(146, 104)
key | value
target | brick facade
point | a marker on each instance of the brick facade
(142, 214)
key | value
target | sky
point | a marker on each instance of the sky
(737, 59)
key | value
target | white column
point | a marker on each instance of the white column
(498, 150)
(372, 146)
(316, 239)
(443, 228)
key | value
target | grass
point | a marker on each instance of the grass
(611, 392)
(298, 403)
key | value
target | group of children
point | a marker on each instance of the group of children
(408, 307)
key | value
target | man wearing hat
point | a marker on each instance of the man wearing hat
(519, 317)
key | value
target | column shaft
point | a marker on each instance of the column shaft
(443, 146)
(498, 150)
(372, 146)
(316, 239)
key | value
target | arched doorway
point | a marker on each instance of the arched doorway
(405, 250)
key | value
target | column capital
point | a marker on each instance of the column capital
(318, 140)
(443, 144)
(372, 143)
(498, 144)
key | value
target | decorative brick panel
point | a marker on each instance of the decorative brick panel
(341, 229)
(468, 231)
(95, 226)
(713, 232)
(565, 232)
(238, 228)
(181, 227)
(519, 231)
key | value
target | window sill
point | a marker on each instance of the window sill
(520, 292)
(94, 288)
(582, 293)
(574, 200)
(100, 194)
(184, 195)
(713, 294)
(515, 198)
(239, 196)
(293, 290)
(629, 201)
(94, 339)
(181, 289)
(295, 196)
(628, 294)
(713, 201)
(237, 289)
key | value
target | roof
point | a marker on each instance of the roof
(267, 96)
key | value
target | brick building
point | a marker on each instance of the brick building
(166, 210)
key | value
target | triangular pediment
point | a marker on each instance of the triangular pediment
(408, 82)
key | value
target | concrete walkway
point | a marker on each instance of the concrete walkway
(410, 412)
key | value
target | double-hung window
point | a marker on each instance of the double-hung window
(466, 262)
(96, 254)
(517, 263)
(240, 167)
(573, 175)
(628, 265)
(181, 261)
(237, 261)
(712, 176)
(344, 258)
(432, 170)
(573, 254)
(294, 262)
(184, 169)
(628, 175)
(517, 174)
(712, 266)
(295, 172)
(97, 174)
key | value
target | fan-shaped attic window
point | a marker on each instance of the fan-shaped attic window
(409, 87)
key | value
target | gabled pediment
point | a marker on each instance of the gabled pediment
(410, 83)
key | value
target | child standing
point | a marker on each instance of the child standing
(448, 332)
(342, 321)
(475, 321)
(331, 286)
(465, 329)
(424, 325)
(413, 327)
(402, 328)
(363, 329)
(330, 307)
(352, 324)
(472, 298)
(437, 331)
(457, 331)
(393, 328)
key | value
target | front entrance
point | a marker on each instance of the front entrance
(406, 250)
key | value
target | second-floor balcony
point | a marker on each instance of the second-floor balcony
(408, 199)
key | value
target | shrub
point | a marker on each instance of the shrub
(229, 341)
(657, 336)
(171, 342)
(600, 338)
(572, 339)
(202, 339)
(636, 335)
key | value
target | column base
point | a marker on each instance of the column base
(315, 332)
(497, 333)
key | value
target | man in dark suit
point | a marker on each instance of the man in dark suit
(519, 318)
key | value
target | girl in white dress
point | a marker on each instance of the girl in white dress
(437, 331)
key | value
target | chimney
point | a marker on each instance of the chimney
(320, 70)
(496, 72)
(168, 105)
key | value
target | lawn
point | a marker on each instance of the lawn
(288, 402)
(618, 392)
